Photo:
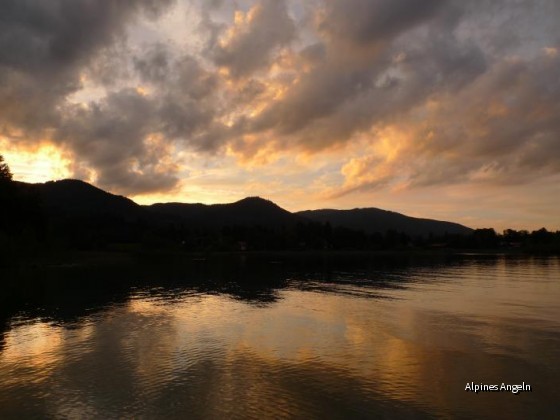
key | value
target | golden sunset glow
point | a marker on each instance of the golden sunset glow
(37, 346)
(279, 209)
(40, 164)
(330, 104)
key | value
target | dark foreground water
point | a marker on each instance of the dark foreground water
(275, 337)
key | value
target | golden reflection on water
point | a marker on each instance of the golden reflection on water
(33, 351)
(420, 348)
(34, 343)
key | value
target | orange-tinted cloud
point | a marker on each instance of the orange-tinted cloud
(334, 98)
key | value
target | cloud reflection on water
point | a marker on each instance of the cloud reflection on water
(164, 351)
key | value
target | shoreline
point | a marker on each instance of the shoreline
(111, 257)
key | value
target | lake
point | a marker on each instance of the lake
(274, 336)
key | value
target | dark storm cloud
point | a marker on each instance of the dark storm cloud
(252, 43)
(154, 64)
(110, 137)
(45, 37)
(500, 128)
(45, 47)
(367, 21)
(127, 135)
(345, 75)
(473, 86)
(471, 112)
(505, 127)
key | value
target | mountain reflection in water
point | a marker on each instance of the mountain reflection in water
(272, 336)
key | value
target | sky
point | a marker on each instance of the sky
(445, 109)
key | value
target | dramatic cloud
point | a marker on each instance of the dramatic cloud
(373, 21)
(249, 43)
(336, 98)
(46, 51)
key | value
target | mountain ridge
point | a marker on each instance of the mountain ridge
(372, 220)
(247, 211)
(77, 198)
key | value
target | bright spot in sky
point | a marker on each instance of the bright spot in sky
(45, 163)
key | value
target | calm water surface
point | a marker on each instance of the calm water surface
(270, 338)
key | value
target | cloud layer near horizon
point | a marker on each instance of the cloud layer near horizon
(349, 96)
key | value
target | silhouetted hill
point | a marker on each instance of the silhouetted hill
(84, 214)
(251, 211)
(371, 220)
(77, 215)
(78, 199)
(73, 198)
(74, 215)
